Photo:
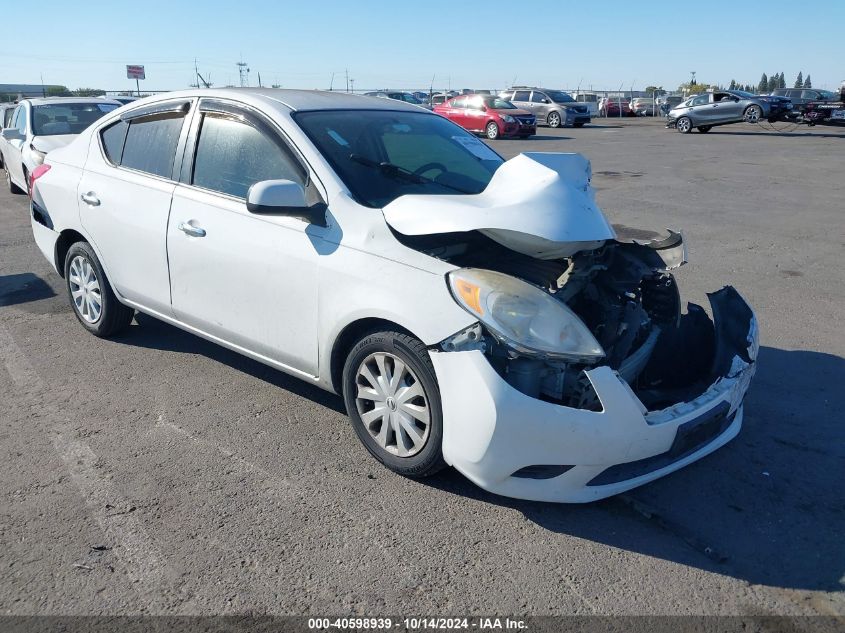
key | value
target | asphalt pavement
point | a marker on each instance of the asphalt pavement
(159, 473)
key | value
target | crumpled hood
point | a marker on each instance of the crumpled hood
(539, 204)
(48, 143)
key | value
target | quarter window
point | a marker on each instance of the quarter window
(232, 155)
(114, 137)
(151, 144)
(7, 117)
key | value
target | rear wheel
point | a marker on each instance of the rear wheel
(704, 128)
(578, 124)
(492, 131)
(393, 400)
(753, 114)
(91, 297)
(684, 125)
(553, 119)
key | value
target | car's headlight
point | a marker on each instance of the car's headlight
(524, 317)
(507, 118)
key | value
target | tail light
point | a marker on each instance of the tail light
(36, 174)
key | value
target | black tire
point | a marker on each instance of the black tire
(704, 129)
(113, 316)
(578, 124)
(13, 188)
(553, 119)
(491, 130)
(684, 125)
(413, 353)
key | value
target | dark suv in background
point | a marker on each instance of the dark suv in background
(800, 97)
(552, 107)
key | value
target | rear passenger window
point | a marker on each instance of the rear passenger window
(537, 97)
(232, 155)
(114, 137)
(521, 95)
(151, 144)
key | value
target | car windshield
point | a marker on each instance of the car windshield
(381, 155)
(409, 98)
(67, 118)
(743, 94)
(559, 97)
(494, 103)
(827, 94)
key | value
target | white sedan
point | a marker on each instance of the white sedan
(472, 311)
(38, 126)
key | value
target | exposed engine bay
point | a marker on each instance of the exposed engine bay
(627, 297)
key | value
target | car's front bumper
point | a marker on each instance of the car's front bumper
(564, 454)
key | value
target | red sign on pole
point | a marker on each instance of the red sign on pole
(135, 72)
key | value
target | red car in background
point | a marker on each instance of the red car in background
(488, 115)
(610, 106)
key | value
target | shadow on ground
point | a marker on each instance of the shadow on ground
(767, 508)
(23, 288)
(154, 334)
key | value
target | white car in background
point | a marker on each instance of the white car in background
(472, 311)
(39, 126)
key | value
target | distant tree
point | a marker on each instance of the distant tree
(772, 83)
(658, 90)
(732, 85)
(781, 80)
(808, 82)
(88, 92)
(694, 88)
(764, 84)
(799, 80)
(57, 91)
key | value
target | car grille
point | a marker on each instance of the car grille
(580, 109)
(525, 120)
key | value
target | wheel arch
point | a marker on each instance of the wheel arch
(349, 336)
(67, 238)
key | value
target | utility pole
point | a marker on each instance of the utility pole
(347, 80)
(692, 78)
(243, 73)
(352, 81)
(331, 83)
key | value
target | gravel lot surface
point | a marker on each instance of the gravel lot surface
(159, 473)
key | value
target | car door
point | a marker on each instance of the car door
(475, 115)
(13, 158)
(522, 100)
(724, 108)
(701, 110)
(541, 105)
(124, 199)
(458, 111)
(248, 279)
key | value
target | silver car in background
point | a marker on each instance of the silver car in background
(720, 107)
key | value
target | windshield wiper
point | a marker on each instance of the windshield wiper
(390, 169)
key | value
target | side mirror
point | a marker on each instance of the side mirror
(284, 197)
(546, 101)
(11, 134)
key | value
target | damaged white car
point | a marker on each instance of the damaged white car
(471, 311)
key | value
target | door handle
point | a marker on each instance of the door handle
(193, 231)
(90, 199)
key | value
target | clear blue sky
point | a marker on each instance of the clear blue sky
(464, 43)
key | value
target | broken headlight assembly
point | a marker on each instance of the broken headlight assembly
(523, 317)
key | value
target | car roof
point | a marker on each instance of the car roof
(289, 99)
(52, 100)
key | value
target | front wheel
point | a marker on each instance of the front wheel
(91, 296)
(684, 125)
(393, 400)
(753, 114)
(492, 131)
(553, 119)
(704, 128)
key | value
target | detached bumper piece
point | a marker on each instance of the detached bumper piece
(688, 403)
